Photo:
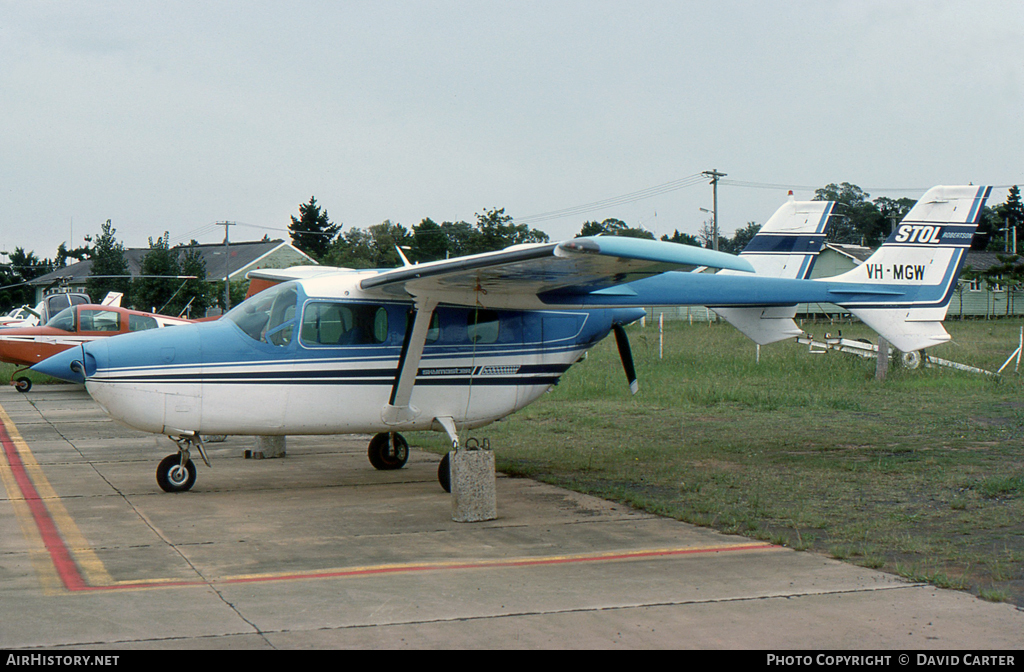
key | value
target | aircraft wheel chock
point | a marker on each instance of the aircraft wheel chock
(23, 384)
(172, 477)
(388, 450)
(444, 473)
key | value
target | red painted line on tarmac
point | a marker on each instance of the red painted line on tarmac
(54, 543)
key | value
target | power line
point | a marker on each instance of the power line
(675, 185)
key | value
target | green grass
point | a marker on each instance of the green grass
(921, 475)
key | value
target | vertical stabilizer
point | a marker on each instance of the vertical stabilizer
(785, 247)
(918, 264)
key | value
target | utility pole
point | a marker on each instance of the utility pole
(227, 265)
(715, 176)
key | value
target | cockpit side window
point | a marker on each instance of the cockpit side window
(268, 316)
(99, 320)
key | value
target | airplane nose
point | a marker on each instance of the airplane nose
(69, 365)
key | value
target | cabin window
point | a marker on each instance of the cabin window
(482, 326)
(99, 320)
(141, 322)
(433, 331)
(268, 316)
(327, 323)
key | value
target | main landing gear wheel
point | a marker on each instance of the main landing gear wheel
(911, 360)
(23, 384)
(173, 477)
(388, 450)
(444, 473)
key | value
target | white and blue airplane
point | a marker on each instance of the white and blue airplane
(456, 344)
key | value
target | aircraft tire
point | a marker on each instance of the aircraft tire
(383, 456)
(911, 360)
(23, 384)
(444, 473)
(171, 477)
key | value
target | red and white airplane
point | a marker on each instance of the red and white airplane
(72, 327)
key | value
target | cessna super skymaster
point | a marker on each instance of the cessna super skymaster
(456, 344)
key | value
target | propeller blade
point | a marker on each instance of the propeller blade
(626, 354)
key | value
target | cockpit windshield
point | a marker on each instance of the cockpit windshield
(64, 320)
(268, 316)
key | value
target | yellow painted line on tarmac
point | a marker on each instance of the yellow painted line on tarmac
(58, 550)
(449, 565)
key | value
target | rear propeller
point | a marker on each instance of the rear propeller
(626, 354)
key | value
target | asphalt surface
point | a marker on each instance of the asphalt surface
(319, 550)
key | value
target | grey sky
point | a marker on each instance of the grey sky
(170, 116)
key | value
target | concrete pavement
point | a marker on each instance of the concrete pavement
(320, 550)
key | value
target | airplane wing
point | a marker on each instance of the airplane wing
(515, 276)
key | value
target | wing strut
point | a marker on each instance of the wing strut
(398, 409)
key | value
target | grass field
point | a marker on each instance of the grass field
(921, 475)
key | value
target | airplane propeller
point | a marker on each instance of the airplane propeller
(626, 354)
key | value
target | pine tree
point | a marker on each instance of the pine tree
(312, 232)
(157, 286)
(109, 271)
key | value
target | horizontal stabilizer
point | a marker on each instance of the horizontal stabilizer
(763, 324)
(903, 331)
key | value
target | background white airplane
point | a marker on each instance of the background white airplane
(459, 343)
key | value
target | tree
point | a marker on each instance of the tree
(109, 270)
(22, 267)
(857, 220)
(682, 239)
(429, 242)
(892, 212)
(613, 227)
(706, 235)
(312, 232)
(157, 284)
(195, 293)
(498, 232)
(373, 248)
(461, 238)
(987, 236)
(1012, 215)
(742, 237)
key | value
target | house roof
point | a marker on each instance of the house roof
(243, 254)
(858, 253)
(981, 261)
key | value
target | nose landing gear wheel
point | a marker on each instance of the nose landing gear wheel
(23, 384)
(171, 476)
(388, 450)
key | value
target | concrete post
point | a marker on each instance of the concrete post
(473, 485)
(268, 447)
(882, 366)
